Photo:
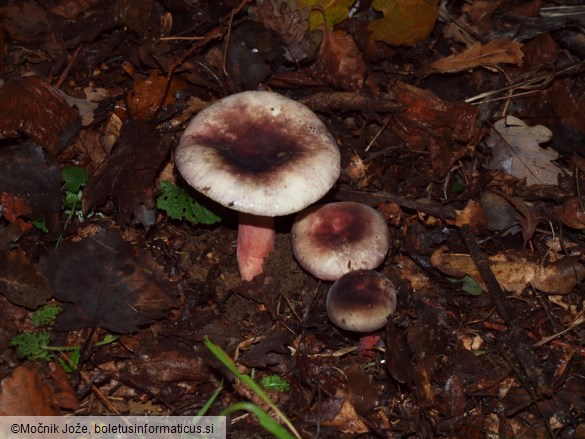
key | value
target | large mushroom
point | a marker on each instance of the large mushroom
(263, 155)
(333, 239)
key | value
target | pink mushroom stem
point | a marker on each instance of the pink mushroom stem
(255, 242)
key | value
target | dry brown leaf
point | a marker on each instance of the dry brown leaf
(515, 273)
(500, 51)
(431, 124)
(472, 214)
(25, 394)
(347, 420)
(340, 62)
(20, 282)
(516, 151)
(148, 93)
(571, 213)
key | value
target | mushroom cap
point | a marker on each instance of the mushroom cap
(260, 153)
(333, 239)
(361, 301)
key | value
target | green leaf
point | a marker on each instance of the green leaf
(224, 358)
(31, 345)
(458, 186)
(41, 225)
(469, 285)
(74, 178)
(45, 316)
(274, 382)
(264, 419)
(71, 365)
(178, 204)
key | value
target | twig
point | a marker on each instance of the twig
(427, 206)
(516, 338)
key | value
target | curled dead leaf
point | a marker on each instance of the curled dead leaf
(571, 214)
(515, 273)
(346, 420)
(500, 51)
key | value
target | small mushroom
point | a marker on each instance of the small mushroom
(333, 239)
(361, 301)
(263, 155)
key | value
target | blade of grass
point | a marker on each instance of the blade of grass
(211, 400)
(221, 355)
(264, 418)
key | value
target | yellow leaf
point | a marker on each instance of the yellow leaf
(405, 22)
(335, 10)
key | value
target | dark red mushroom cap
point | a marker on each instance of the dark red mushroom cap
(260, 153)
(361, 301)
(333, 239)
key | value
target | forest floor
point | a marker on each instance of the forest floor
(462, 124)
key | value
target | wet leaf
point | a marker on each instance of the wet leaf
(500, 51)
(129, 174)
(516, 151)
(25, 394)
(36, 109)
(405, 22)
(149, 93)
(106, 283)
(20, 282)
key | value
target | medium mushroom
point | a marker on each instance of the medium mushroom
(333, 239)
(263, 155)
(361, 301)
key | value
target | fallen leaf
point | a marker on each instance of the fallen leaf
(35, 108)
(28, 175)
(148, 93)
(500, 214)
(335, 11)
(442, 128)
(405, 22)
(129, 174)
(106, 283)
(500, 51)
(25, 394)
(24, 21)
(64, 393)
(571, 214)
(13, 209)
(516, 151)
(347, 420)
(340, 62)
(20, 283)
(514, 273)
(289, 21)
(472, 215)
(134, 14)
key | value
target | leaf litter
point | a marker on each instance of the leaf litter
(419, 96)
